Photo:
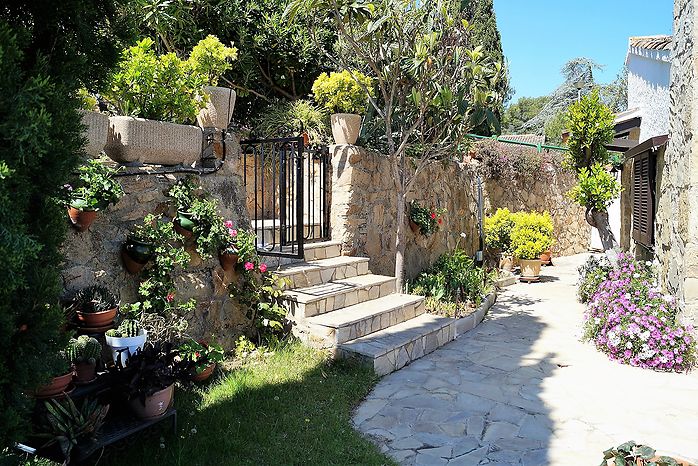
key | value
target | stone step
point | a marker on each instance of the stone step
(322, 250)
(362, 319)
(327, 297)
(394, 347)
(316, 272)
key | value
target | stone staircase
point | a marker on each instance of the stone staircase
(337, 303)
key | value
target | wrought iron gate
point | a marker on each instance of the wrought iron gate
(287, 194)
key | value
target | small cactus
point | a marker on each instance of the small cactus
(83, 349)
(114, 333)
(130, 328)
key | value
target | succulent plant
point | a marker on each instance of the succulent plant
(94, 298)
(127, 328)
(83, 349)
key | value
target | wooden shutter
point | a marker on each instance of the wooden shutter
(643, 198)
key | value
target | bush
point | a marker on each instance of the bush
(211, 59)
(596, 188)
(532, 234)
(285, 119)
(508, 162)
(498, 230)
(97, 188)
(340, 93)
(591, 275)
(631, 321)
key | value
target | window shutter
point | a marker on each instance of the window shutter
(643, 198)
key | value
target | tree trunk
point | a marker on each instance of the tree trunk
(599, 220)
(400, 240)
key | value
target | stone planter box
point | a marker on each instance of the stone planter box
(473, 320)
(97, 131)
(155, 142)
(219, 110)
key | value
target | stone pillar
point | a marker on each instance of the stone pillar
(676, 226)
(347, 210)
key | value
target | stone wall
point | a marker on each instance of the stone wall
(94, 256)
(364, 205)
(676, 226)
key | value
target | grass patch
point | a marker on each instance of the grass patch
(292, 407)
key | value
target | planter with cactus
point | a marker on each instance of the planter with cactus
(126, 340)
(84, 352)
(95, 307)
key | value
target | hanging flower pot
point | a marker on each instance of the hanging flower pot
(136, 253)
(183, 224)
(80, 218)
(228, 258)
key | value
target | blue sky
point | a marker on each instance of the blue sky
(539, 36)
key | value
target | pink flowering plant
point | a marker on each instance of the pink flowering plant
(233, 240)
(630, 320)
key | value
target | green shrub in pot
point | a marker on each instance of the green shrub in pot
(532, 234)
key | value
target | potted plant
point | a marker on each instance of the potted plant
(68, 426)
(344, 95)
(183, 192)
(532, 234)
(156, 96)
(632, 454)
(235, 246)
(139, 248)
(83, 352)
(58, 385)
(212, 59)
(95, 307)
(203, 358)
(126, 340)
(96, 124)
(498, 236)
(425, 220)
(96, 190)
(148, 380)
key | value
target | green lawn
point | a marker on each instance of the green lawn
(292, 407)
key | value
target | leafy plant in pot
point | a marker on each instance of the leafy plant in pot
(143, 242)
(425, 220)
(632, 454)
(126, 340)
(203, 358)
(498, 229)
(235, 246)
(83, 352)
(532, 234)
(148, 380)
(95, 307)
(95, 190)
(344, 95)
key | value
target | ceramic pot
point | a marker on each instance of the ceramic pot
(219, 109)
(415, 228)
(228, 260)
(96, 319)
(506, 262)
(57, 386)
(125, 346)
(345, 127)
(530, 269)
(85, 372)
(183, 224)
(81, 219)
(155, 405)
(205, 374)
(546, 256)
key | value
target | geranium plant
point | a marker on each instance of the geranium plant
(427, 219)
(96, 188)
(201, 355)
(339, 92)
(238, 241)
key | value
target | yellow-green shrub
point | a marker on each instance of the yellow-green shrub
(341, 93)
(498, 230)
(532, 234)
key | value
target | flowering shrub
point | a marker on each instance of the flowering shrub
(591, 275)
(507, 162)
(630, 320)
(428, 220)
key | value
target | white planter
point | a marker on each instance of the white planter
(126, 346)
(97, 131)
(156, 142)
(345, 127)
(219, 109)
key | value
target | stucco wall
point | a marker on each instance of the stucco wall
(677, 217)
(364, 208)
(94, 256)
(648, 89)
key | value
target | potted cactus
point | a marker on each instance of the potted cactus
(83, 352)
(58, 385)
(95, 307)
(126, 340)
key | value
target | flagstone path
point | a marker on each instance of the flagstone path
(521, 389)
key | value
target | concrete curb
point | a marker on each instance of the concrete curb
(473, 320)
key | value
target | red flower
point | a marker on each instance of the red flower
(170, 297)
(441, 221)
(433, 215)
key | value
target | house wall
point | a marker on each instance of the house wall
(676, 227)
(364, 200)
(648, 89)
(94, 255)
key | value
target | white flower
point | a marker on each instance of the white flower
(648, 263)
(636, 275)
(597, 320)
(628, 345)
(644, 336)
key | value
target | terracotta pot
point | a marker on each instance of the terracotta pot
(415, 228)
(228, 261)
(345, 127)
(81, 219)
(96, 319)
(546, 256)
(306, 138)
(131, 265)
(205, 374)
(530, 269)
(219, 109)
(155, 405)
(506, 262)
(85, 372)
(57, 386)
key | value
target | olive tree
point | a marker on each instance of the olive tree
(591, 126)
(432, 88)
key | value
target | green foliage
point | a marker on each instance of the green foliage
(97, 188)
(498, 229)
(591, 125)
(94, 298)
(127, 328)
(343, 92)
(156, 87)
(555, 127)
(594, 272)
(201, 355)
(48, 50)
(521, 111)
(83, 349)
(243, 347)
(630, 453)
(596, 188)
(285, 119)
(532, 234)
(87, 101)
(428, 219)
(211, 59)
